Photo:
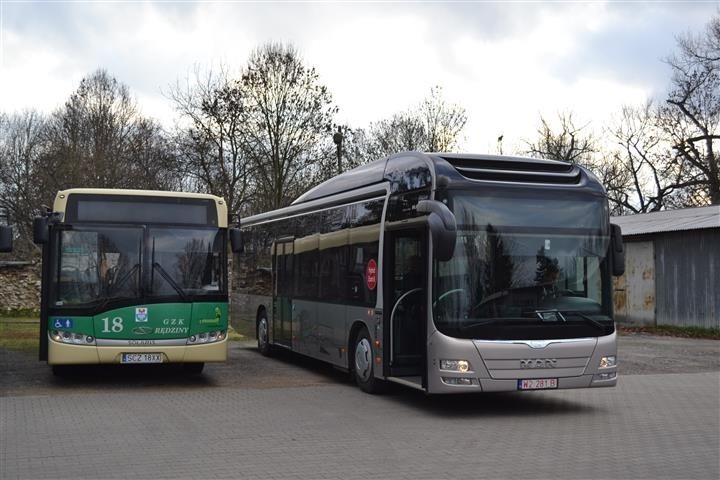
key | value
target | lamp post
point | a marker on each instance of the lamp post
(338, 138)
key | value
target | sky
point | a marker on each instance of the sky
(506, 63)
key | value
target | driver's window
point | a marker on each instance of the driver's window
(77, 273)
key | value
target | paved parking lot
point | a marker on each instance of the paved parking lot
(284, 418)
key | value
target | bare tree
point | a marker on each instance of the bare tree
(401, 132)
(21, 148)
(211, 141)
(443, 121)
(666, 153)
(568, 144)
(289, 117)
(692, 116)
(99, 139)
(433, 126)
(647, 178)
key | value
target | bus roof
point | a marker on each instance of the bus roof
(410, 170)
(406, 171)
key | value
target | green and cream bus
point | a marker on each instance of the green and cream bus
(442, 272)
(133, 277)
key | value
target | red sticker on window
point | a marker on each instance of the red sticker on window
(371, 274)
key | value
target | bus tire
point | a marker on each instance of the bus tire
(193, 368)
(363, 363)
(263, 337)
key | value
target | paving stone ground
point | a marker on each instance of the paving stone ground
(290, 418)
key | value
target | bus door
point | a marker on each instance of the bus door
(282, 292)
(406, 312)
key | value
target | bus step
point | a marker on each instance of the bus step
(412, 382)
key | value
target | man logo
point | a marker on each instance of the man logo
(142, 330)
(538, 363)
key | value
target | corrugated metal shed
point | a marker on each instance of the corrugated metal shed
(672, 266)
(670, 220)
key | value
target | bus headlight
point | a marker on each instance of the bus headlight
(206, 337)
(71, 337)
(607, 362)
(461, 366)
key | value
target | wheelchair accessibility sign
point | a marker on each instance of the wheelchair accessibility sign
(62, 323)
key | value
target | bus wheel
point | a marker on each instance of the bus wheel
(262, 335)
(363, 364)
(194, 368)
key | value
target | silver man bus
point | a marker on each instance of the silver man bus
(133, 277)
(442, 272)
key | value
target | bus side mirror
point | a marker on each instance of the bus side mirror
(236, 243)
(618, 250)
(443, 227)
(6, 239)
(40, 230)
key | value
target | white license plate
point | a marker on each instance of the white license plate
(141, 358)
(537, 383)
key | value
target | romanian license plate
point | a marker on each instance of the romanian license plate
(537, 383)
(141, 358)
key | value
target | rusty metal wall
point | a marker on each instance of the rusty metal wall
(634, 295)
(687, 278)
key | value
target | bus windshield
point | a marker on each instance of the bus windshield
(524, 268)
(97, 264)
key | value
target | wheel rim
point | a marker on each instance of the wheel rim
(363, 359)
(262, 333)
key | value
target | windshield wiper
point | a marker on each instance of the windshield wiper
(124, 278)
(494, 321)
(101, 303)
(169, 279)
(584, 317)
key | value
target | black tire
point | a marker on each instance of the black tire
(194, 368)
(362, 363)
(263, 337)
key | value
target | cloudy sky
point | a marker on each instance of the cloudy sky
(506, 63)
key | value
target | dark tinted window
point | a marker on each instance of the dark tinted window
(94, 265)
(407, 173)
(321, 256)
(186, 261)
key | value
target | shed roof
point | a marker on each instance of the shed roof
(695, 218)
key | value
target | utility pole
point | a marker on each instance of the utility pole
(338, 139)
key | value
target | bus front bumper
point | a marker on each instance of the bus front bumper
(65, 354)
(516, 365)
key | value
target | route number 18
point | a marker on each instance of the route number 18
(117, 325)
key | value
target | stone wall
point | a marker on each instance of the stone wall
(19, 286)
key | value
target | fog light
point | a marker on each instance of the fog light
(458, 381)
(605, 376)
(455, 365)
(607, 362)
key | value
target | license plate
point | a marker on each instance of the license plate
(537, 383)
(141, 358)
